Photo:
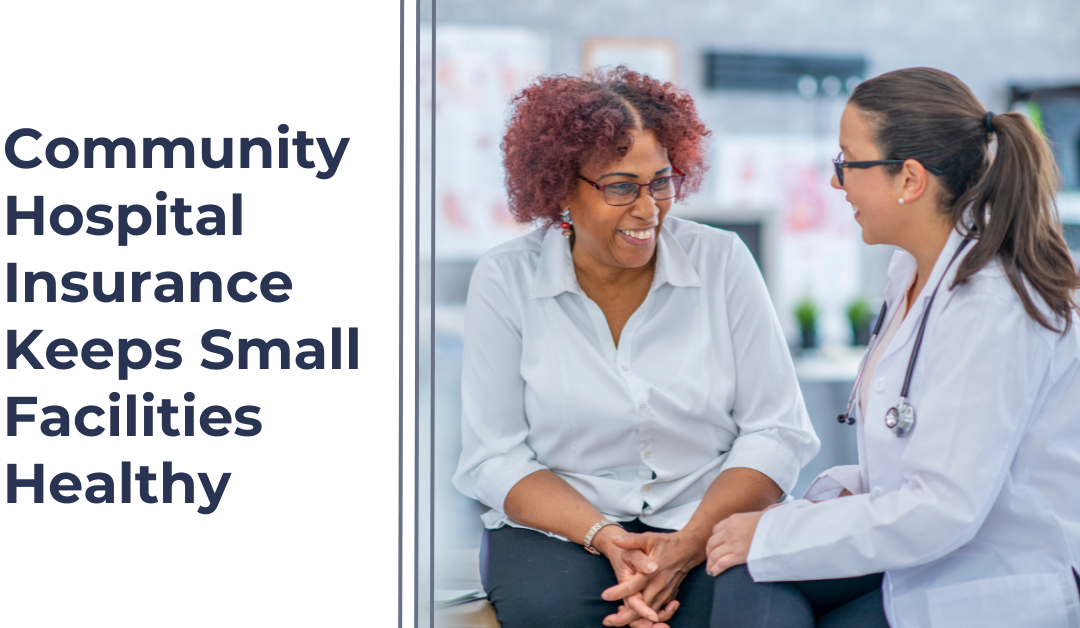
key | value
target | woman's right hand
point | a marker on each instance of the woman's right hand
(633, 566)
(544, 501)
(626, 617)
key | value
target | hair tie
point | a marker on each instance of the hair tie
(989, 126)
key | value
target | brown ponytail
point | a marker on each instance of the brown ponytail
(929, 115)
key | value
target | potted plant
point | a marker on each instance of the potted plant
(860, 315)
(806, 313)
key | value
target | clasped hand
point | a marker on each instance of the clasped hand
(649, 566)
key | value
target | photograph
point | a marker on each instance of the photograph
(748, 314)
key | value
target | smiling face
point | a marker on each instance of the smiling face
(873, 193)
(620, 237)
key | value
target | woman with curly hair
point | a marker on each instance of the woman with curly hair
(624, 387)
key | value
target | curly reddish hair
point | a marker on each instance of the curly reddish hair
(560, 122)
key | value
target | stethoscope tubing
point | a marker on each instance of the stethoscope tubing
(918, 343)
(846, 417)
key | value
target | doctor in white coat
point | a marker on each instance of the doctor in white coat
(973, 511)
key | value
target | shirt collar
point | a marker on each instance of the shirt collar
(903, 267)
(673, 265)
(555, 269)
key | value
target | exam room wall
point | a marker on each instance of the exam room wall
(987, 43)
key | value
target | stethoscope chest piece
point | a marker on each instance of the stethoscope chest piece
(900, 419)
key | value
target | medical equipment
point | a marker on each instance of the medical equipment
(900, 419)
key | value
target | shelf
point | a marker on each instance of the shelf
(829, 364)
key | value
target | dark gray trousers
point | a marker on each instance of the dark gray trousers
(535, 581)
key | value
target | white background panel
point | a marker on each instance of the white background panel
(307, 529)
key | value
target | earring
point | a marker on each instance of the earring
(901, 201)
(567, 224)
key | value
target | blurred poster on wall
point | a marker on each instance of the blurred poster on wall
(477, 72)
(818, 247)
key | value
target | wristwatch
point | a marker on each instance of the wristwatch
(592, 532)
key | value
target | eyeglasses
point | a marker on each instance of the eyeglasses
(626, 192)
(840, 164)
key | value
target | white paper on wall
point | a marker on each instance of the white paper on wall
(818, 247)
(478, 70)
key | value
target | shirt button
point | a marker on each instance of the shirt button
(879, 384)
(625, 367)
(648, 453)
(643, 407)
(645, 489)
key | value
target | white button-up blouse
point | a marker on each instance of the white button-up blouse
(701, 380)
(975, 515)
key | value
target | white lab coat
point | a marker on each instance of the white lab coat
(975, 515)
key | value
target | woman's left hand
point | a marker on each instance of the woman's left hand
(729, 544)
(674, 553)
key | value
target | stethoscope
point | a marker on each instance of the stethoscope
(900, 419)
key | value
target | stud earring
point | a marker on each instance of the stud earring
(567, 224)
(901, 201)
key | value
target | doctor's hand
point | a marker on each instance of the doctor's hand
(729, 544)
(674, 554)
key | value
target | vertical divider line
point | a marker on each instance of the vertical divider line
(401, 312)
(416, 347)
(431, 396)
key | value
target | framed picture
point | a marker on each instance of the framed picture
(659, 58)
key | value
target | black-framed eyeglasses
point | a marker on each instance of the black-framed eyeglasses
(626, 192)
(840, 164)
